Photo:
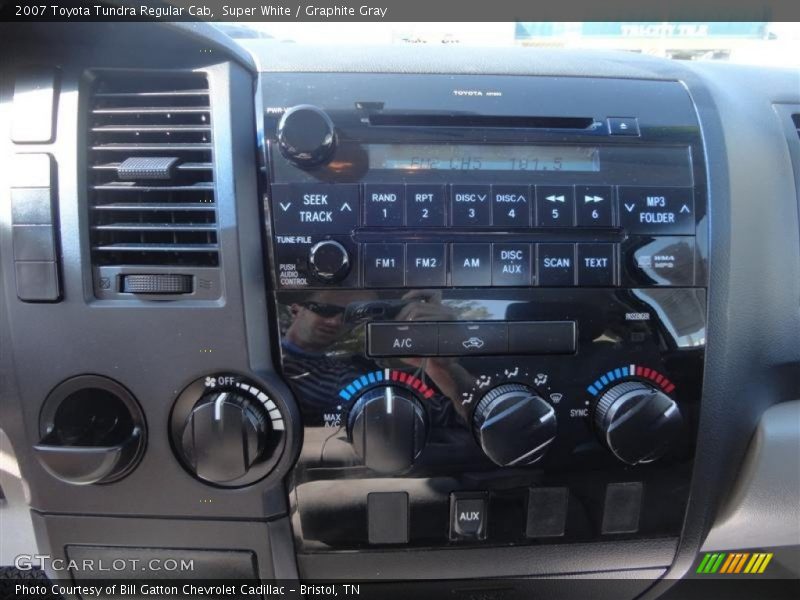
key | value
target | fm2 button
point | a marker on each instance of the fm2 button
(468, 515)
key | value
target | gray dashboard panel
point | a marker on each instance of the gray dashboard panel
(763, 509)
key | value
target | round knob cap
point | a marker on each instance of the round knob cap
(387, 427)
(513, 425)
(306, 136)
(329, 261)
(637, 422)
(223, 436)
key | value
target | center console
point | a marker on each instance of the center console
(490, 293)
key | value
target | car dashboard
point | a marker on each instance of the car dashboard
(431, 315)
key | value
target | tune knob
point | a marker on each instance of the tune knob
(226, 431)
(513, 425)
(637, 422)
(329, 261)
(306, 136)
(387, 427)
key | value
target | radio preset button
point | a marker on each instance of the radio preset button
(511, 265)
(384, 265)
(464, 339)
(471, 265)
(555, 206)
(311, 209)
(596, 265)
(425, 265)
(425, 205)
(471, 206)
(657, 210)
(402, 339)
(594, 205)
(383, 205)
(511, 206)
(556, 264)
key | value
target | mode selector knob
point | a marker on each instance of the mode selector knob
(513, 425)
(387, 427)
(306, 136)
(329, 261)
(637, 422)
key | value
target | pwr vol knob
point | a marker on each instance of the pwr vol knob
(226, 431)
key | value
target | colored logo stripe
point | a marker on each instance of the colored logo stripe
(734, 563)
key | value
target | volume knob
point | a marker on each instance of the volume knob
(306, 136)
(637, 422)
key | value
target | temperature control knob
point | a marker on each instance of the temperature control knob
(513, 425)
(387, 427)
(329, 261)
(306, 136)
(637, 422)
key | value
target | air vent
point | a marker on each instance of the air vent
(151, 174)
(796, 121)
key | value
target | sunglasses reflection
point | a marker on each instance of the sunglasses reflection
(323, 351)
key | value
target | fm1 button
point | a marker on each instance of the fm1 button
(657, 210)
(425, 265)
(511, 265)
(594, 206)
(468, 515)
(555, 264)
(596, 265)
(383, 265)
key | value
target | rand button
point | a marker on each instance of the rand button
(383, 205)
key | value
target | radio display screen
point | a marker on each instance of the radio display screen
(482, 157)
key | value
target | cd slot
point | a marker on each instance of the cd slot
(483, 121)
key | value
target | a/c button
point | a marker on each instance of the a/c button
(402, 339)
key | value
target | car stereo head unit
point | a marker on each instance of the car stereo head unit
(490, 293)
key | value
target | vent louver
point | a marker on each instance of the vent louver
(151, 174)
